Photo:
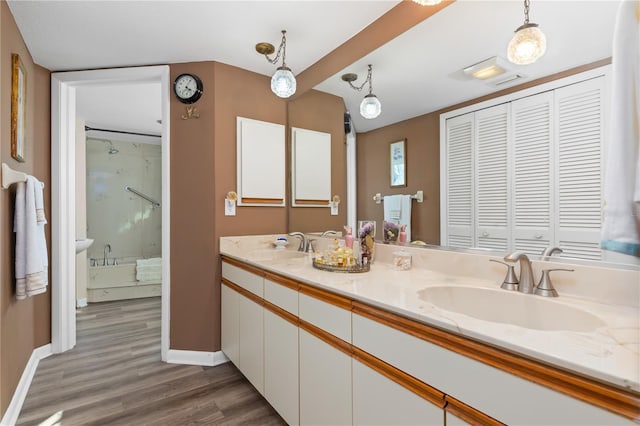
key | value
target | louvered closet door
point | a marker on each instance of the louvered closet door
(491, 180)
(459, 187)
(531, 173)
(579, 135)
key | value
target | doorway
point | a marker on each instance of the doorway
(63, 134)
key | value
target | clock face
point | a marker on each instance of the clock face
(188, 88)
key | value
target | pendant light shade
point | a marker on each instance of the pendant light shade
(528, 43)
(427, 2)
(370, 107)
(283, 82)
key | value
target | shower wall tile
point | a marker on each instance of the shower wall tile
(116, 216)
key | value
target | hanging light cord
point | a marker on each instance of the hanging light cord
(282, 49)
(526, 11)
(368, 80)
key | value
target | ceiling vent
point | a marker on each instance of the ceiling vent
(508, 80)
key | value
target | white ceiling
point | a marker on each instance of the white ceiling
(412, 74)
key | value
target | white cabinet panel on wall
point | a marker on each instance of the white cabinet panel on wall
(251, 342)
(310, 168)
(579, 110)
(459, 156)
(260, 163)
(230, 319)
(325, 383)
(281, 366)
(379, 401)
(532, 168)
(491, 179)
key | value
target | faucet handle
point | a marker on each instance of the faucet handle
(545, 287)
(510, 281)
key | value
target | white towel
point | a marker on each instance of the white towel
(397, 209)
(32, 264)
(149, 269)
(621, 227)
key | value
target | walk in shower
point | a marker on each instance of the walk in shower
(124, 218)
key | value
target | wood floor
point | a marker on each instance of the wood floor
(114, 376)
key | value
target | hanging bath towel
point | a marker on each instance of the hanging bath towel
(32, 262)
(621, 227)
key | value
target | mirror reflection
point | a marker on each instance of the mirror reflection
(420, 76)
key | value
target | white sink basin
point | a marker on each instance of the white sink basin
(82, 245)
(501, 306)
(274, 254)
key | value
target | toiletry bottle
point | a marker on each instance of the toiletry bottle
(402, 236)
(348, 238)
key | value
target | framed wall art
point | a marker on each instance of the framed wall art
(18, 107)
(398, 162)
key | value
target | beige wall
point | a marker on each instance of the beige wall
(25, 324)
(324, 113)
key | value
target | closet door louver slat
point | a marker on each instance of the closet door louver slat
(579, 135)
(532, 172)
(491, 180)
(460, 181)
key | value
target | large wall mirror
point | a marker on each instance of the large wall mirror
(421, 74)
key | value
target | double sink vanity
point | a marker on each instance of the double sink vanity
(438, 344)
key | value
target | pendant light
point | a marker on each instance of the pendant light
(283, 82)
(427, 2)
(370, 107)
(528, 43)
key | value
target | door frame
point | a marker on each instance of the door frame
(63, 124)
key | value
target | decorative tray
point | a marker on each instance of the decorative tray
(354, 269)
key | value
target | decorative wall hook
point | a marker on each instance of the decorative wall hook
(192, 112)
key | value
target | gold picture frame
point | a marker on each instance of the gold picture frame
(398, 163)
(18, 107)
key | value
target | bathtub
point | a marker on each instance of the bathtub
(118, 282)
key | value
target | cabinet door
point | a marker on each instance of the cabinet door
(251, 342)
(325, 383)
(532, 167)
(459, 182)
(281, 366)
(380, 401)
(579, 110)
(230, 323)
(491, 178)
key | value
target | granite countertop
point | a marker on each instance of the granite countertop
(610, 354)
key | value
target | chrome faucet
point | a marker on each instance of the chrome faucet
(304, 242)
(328, 233)
(104, 252)
(550, 251)
(527, 284)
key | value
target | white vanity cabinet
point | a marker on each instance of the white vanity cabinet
(377, 400)
(242, 314)
(281, 351)
(325, 360)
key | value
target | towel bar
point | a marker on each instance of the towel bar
(418, 196)
(10, 176)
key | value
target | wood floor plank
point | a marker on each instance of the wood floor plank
(114, 376)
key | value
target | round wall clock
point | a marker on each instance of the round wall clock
(188, 88)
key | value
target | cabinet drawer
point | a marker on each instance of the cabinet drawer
(250, 282)
(281, 296)
(326, 316)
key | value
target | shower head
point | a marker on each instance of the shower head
(113, 150)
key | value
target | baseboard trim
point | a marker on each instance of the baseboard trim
(15, 406)
(81, 303)
(209, 359)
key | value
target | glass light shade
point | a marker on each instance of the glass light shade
(283, 82)
(427, 2)
(527, 45)
(370, 107)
